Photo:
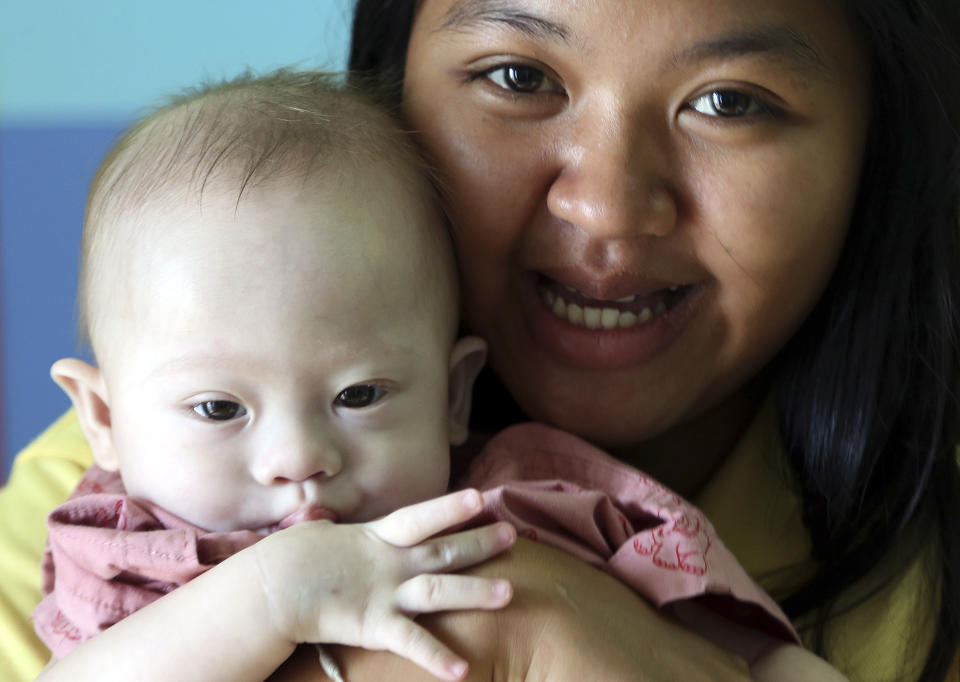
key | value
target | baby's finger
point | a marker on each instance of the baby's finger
(411, 525)
(461, 550)
(407, 639)
(427, 593)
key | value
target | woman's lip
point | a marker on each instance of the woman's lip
(604, 349)
(655, 301)
(607, 288)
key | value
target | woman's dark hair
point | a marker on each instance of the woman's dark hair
(378, 46)
(867, 389)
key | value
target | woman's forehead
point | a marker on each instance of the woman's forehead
(569, 22)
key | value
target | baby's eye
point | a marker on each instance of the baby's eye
(522, 79)
(360, 395)
(728, 104)
(219, 410)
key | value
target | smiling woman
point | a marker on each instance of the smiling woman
(667, 213)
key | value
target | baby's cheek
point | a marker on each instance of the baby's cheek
(207, 499)
(410, 479)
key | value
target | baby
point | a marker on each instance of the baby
(269, 292)
(270, 296)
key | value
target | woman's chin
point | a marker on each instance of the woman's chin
(605, 416)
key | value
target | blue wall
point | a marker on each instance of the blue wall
(73, 74)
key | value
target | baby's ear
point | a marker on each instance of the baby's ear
(466, 361)
(84, 384)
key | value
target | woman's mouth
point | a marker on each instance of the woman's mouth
(607, 332)
(580, 310)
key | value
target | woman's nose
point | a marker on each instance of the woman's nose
(300, 454)
(613, 182)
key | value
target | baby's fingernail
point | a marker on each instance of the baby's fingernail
(501, 589)
(507, 534)
(472, 501)
(458, 669)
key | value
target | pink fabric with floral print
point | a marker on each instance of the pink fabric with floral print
(109, 555)
(560, 490)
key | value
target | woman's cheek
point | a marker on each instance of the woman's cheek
(776, 211)
(485, 175)
(774, 251)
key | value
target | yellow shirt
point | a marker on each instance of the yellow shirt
(747, 500)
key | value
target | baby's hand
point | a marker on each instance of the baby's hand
(359, 584)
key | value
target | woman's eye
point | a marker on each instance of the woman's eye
(522, 79)
(361, 395)
(219, 410)
(727, 104)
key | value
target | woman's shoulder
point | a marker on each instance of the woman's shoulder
(886, 625)
(62, 441)
(45, 472)
(43, 475)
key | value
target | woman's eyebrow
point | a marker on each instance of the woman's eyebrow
(478, 13)
(776, 42)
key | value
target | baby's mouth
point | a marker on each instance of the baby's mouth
(309, 513)
(580, 310)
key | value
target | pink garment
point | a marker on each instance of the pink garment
(109, 555)
(560, 490)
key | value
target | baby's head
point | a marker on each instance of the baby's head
(269, 291)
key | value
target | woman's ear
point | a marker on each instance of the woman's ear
(466, 361)
(84, 384)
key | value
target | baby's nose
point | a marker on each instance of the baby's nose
(306, 455)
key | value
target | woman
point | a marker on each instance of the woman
(681, 226)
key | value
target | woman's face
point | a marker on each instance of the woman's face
(647, 197)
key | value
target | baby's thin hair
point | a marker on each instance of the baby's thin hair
(235, 135)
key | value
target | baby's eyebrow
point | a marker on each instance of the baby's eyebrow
(778, 42)
(477, 13)
(388, 356)
(188, 363)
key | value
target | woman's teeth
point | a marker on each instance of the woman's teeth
(592, 317)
